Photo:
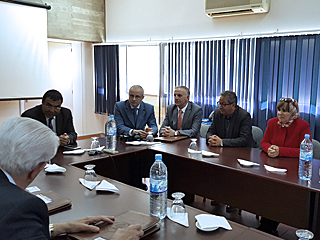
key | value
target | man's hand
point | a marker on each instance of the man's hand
(143, 134)
(81, 225)
(167, 131)
(273, 151)
(64, 139)
(132, 232)
(214, 141)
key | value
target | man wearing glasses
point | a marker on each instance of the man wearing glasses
(134, 115)
(183, 117)
(231, 125)
(58, 118)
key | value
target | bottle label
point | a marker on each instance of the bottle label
(305, 156)
(111, 132)
(158, 186)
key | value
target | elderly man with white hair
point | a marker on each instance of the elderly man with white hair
(26, 146)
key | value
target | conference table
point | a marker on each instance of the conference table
(280, 197)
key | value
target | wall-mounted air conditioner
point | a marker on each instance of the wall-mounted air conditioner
(223, 8)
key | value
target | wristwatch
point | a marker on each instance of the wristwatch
(221, 143)
(176, 133)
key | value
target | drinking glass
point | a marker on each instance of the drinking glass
(90, 174)
(304, 234)
(150, 137)
(178, 210)
(95, 143)
(193, 145)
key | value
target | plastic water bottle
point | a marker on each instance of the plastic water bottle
(111, 131)
(158, 188)
(305, 160)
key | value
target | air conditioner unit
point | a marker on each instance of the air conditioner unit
(223, 8)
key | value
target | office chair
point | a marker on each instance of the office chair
(203, 130)
(257, 135)
(316, 149)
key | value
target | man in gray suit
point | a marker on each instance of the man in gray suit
(231, 125)
(183, 117)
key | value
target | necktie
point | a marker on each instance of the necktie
(50, 124)
(179, 119)
(135, 115)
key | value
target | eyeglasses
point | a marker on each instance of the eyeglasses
(288, 100)
(223, 104)
(134, 96)
(57, 108)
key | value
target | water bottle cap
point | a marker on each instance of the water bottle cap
(111, 116)
(306, 136)
(158, 156)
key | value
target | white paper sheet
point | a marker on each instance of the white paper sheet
(89, 184)
(106, 186)
(183, 220)
(211, 221)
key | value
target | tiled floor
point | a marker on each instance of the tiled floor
(246, 218)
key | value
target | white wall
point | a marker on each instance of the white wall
(85, 120)
(129, 20)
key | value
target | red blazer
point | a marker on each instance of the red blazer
(288, 139)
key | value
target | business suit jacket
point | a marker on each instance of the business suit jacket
(22, 215)
(240, 130)
(191, 121)
(64, 123)
(123, 115)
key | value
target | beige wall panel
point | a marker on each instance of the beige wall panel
(78, 20)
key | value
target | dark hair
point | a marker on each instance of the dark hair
(53, 94)
(232, 97)
(185, 88)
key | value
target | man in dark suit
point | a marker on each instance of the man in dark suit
(134, 115)
(58, 118)
(231, 125)
(183, 117)
(25, 148)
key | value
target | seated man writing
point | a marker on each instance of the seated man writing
(57, 118)
(25, 148)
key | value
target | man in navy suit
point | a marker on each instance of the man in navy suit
(25, 148)
(134, 115)
(182, 118)
(58, 118)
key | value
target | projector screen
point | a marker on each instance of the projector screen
(23, 51)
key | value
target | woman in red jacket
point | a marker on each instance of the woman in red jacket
(282, 138)
(285, 133)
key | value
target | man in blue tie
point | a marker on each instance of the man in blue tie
(134, 115)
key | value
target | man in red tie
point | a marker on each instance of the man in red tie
(183, 117)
